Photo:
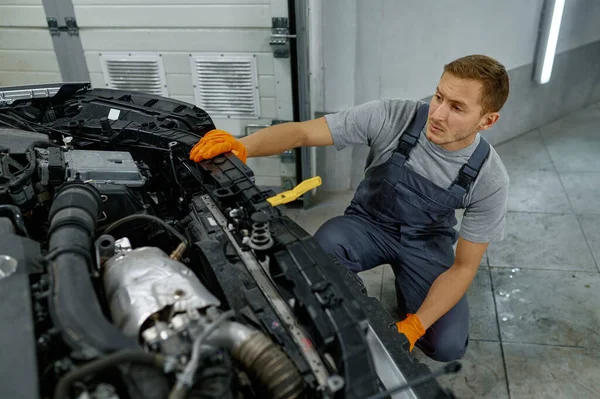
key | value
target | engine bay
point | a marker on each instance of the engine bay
(129, 271)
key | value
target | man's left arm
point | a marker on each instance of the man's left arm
(452, 285)
(445, 292)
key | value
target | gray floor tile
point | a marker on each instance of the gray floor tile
(591, 230)
(292, 213)
(482, 312)
(542, 241)
(310, 222)
(482, 374)
(548, 307)
(574, 142)
(326, 207)
(583, 190)
(537, 191)
(526, 152)
(372, 280)
(334, 198)
(540, 372)
(485, 259)
(576, 155)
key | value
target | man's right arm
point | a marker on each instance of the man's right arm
(360, 124)
(279, 138)
(357, 125)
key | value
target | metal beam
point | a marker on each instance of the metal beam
(63, 28)
(301, 7)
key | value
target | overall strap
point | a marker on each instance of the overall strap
(469, 171)
(411, 135)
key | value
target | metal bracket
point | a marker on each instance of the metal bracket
(53, 26)
(70, 26)
(280, 33)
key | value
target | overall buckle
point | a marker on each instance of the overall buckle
(466, 176)
(404, 148)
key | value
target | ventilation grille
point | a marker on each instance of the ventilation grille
(130, 71)
(226, 85)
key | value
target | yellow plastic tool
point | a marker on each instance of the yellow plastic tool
(294, 193)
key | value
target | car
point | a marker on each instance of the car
(129, 271)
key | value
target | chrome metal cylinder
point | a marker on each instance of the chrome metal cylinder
(145, 281)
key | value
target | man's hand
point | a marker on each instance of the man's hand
(412, 328)
(217, 142)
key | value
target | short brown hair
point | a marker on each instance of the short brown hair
(489, 72)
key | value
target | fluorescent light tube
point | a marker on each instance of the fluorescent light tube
(550, 32)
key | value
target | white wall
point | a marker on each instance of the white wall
(339, 52)
(389, 48)
(26, 50)
(580, 24)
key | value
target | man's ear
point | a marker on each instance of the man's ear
(488, 120)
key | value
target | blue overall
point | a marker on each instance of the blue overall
(399, 217)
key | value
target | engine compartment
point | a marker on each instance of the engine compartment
(128, 271)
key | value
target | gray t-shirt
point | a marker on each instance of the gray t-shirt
(379, 125)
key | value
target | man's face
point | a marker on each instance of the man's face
(455, 113)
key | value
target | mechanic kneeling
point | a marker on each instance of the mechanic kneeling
(425, 161)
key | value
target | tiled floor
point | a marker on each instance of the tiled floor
(535, 302)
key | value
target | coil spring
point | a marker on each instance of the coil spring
(261, 236)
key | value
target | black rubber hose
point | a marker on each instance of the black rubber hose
(18, 123)
(14, 213)
(74, 306)
(8, 125)
(125, 356)
(27, 173)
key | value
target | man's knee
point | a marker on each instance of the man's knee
(331, 237)
(327, 235)
(448, 350)
(448, 338)
(336, 238)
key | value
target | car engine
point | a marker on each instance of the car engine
(128, 271)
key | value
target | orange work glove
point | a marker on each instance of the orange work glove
(217, 142)
(412, 328)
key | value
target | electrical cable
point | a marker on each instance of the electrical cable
(18, 120)
(7, 124)
(14, 213)
(185, 379)
(136, 216)
(177, 252)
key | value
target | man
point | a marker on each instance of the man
(425, 161)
